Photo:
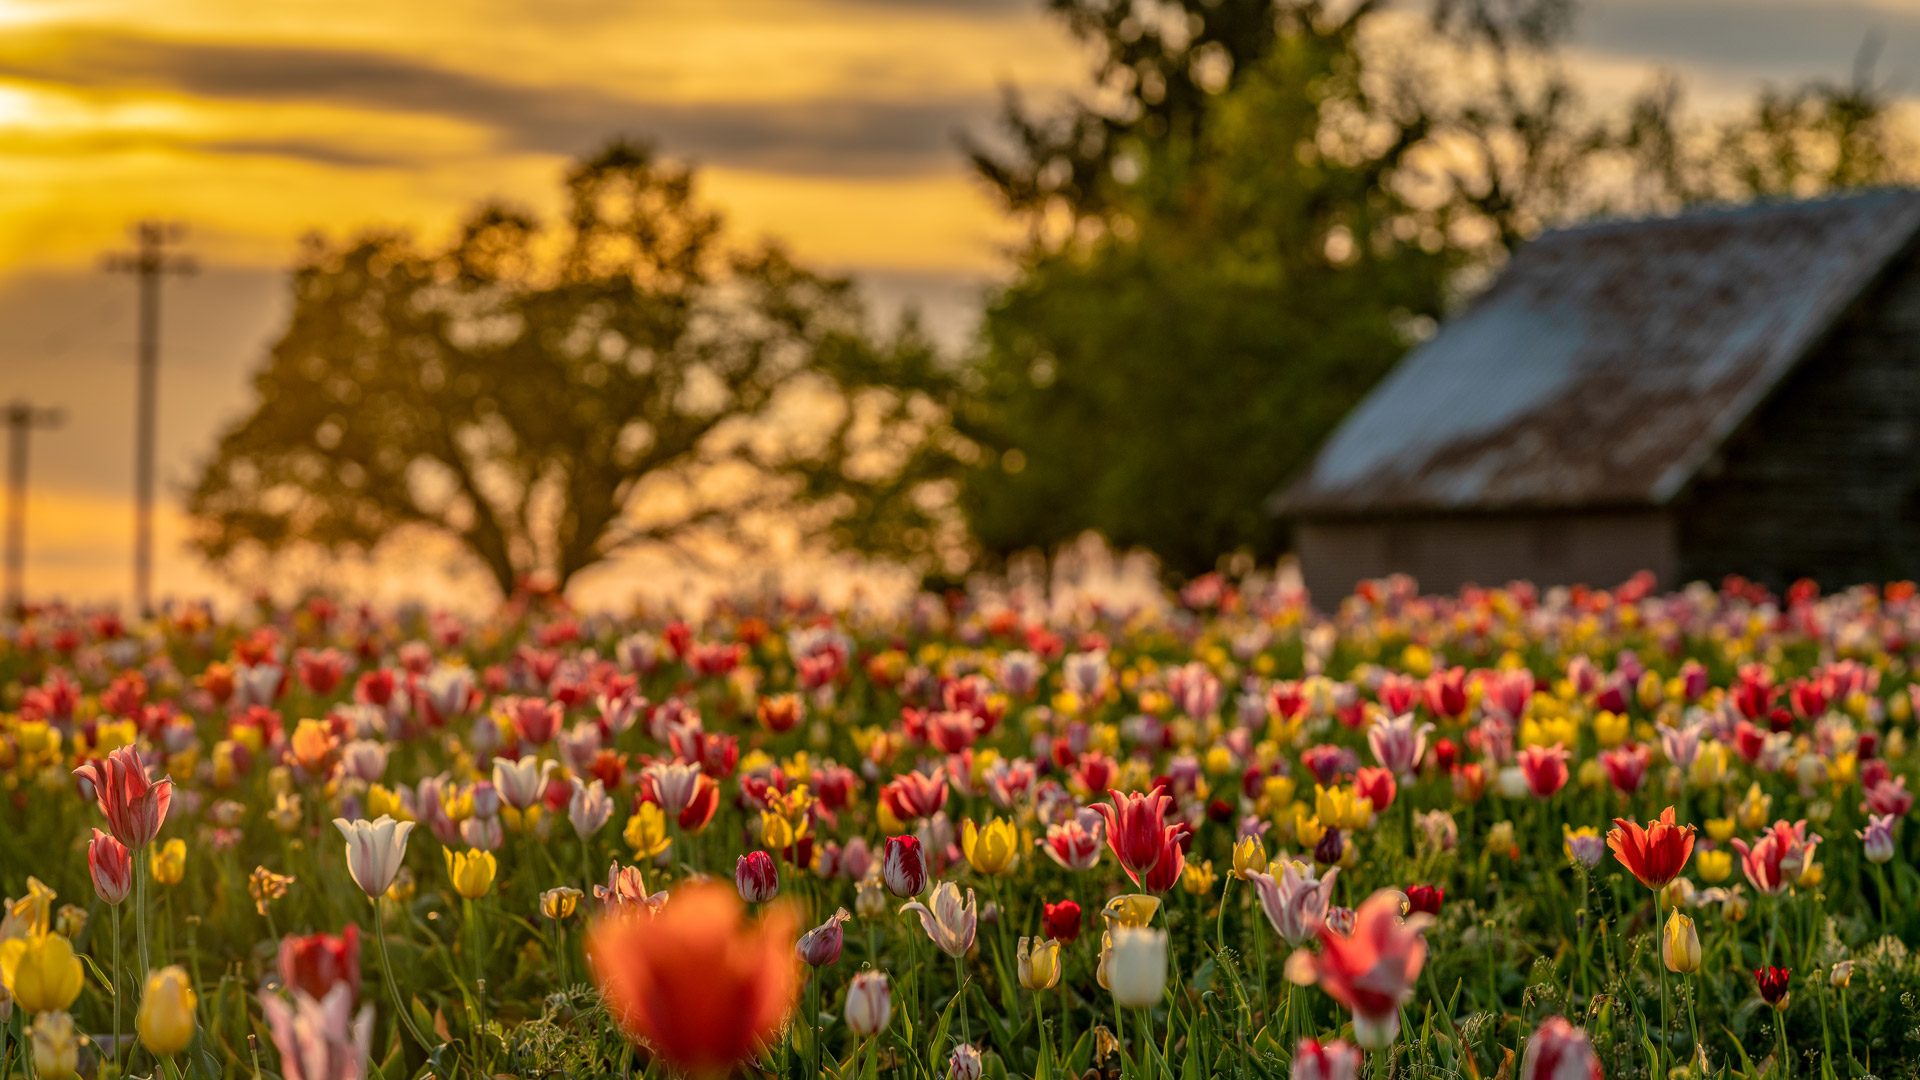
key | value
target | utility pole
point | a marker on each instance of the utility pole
(21, 418)
(148, 262)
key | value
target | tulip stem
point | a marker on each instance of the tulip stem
(119, 1047)
(140, 869)
(960, 996)
(813, 1020)
(393, 987)
(1220, 921)
(1662, 969)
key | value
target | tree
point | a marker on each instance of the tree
(550, 395)
(1261, 203)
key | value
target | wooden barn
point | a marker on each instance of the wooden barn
(1729, 391)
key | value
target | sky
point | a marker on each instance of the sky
(829, 123)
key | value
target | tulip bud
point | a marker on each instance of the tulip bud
(964, 1064)
(869, 1003)
(1039, 963)
(1876, 840)
(1559, 1051)
(756, 877)
(165, 1020)
(1841, 976)
(1249, 856)
(70, 921)
(821, 945)
(1772, 984)
(110, 866)
(1680, 945)
(56, 1047)
(471, 872)
(903, 866)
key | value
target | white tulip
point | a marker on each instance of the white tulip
(521, 783)
(375, 850)
(1137, 968)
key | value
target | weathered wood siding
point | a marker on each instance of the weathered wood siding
(1824, 480)
(1595, 548)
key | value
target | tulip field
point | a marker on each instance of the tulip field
(1512, 832)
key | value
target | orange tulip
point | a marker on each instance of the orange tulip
(1655, 854)
(702, 985)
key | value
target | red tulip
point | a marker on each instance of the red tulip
(1655, 854)
(1425, 899)
(110, 867)
(135, 807)
(1772, 983)
(1062, 921)
(1376, 786)
(912, 796)
(757, 878)
(1626, 767)
(903, 866)
(318, 962)
(1545, 768)
(1136, 829)
(1371, 969)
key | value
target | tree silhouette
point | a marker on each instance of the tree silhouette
(550, 395)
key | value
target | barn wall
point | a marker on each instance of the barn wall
(1824, 480)
(1597, 548)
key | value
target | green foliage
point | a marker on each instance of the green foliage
(550, 394)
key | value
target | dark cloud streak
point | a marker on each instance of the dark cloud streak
(845, 135)
(1778, 40)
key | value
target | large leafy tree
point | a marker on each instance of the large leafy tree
(552, 394)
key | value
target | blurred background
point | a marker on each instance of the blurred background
(460, 297)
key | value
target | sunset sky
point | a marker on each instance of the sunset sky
(830, 123)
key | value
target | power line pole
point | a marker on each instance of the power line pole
(21, 418)
(148, 262)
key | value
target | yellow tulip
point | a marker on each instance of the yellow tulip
(646, 831)
(1197, 878)
(1680, 945)
(31, 914)
(41, 972)
(1710, 767)
(1755, 809)
(1039, 963)
(992, 850)
(1715, 866)
(1134, 909)
(1609, 729)
(169, 862)
(1720, 829)
(1341, 807)
(165, 1020)
(560, 902)
(1249, 857)
(472, 872)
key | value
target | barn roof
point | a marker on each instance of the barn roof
(1608, 362)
